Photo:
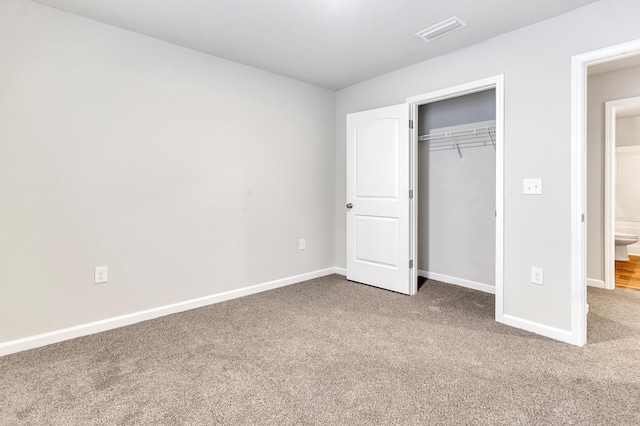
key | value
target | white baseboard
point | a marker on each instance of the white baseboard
(340, 271)
(595, 283)
(56, 336)
(487, 288)
(541, 329)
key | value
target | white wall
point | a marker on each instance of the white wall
(457, 197)
(536, 63)
(627, 188)
(186, 174)
(628, 176)
(601, 88)
(628, 129)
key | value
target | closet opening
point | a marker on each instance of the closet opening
(457, 178)
(457, 190)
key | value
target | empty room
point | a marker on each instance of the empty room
(319, 212)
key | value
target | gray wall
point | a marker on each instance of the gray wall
(536, 63)
(186, 174)
(628, 129)
(600, 89)
(456, 197)
(480, 106)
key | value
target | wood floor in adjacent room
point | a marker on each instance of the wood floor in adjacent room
(628, 273)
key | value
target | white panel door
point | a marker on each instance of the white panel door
(378, 198)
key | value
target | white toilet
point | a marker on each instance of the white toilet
(622, 241)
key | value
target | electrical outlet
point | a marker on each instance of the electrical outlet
(537, 276)
(532, 186)
(302, 244)
(100, 274)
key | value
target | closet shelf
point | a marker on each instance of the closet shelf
(458, 139)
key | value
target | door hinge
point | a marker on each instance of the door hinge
(583, 217)
(411, 124)
(411, 264)
(411, 193)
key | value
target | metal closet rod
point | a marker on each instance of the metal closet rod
(465, 138)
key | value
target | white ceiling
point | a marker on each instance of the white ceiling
(330, 43)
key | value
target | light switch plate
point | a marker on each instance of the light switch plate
(532, 186)
(100, 274)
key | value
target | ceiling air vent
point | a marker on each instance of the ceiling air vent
(442, 28)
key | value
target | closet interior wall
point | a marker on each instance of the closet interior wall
(456, 193)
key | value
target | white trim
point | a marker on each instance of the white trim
(609, 196)
(56, 336)
(611, 109)
(595, 283)
(578, 202)
(497, 83)
(579, 65)
(413, 202)
(541, 329)
(455, 91)
(340, 271)
(475, 285)
(499, 287)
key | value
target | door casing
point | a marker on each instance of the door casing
(579, 64)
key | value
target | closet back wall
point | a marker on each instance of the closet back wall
(456, 223)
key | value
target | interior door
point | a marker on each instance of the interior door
(378, 228)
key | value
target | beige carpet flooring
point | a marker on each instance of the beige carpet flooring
(333, 352)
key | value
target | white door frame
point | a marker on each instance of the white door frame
(579, 64)
(497, 83)
(611, 108)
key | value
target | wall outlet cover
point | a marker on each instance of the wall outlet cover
(537, 276)
(532, 186)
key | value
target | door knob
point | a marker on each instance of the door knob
(349, 205)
